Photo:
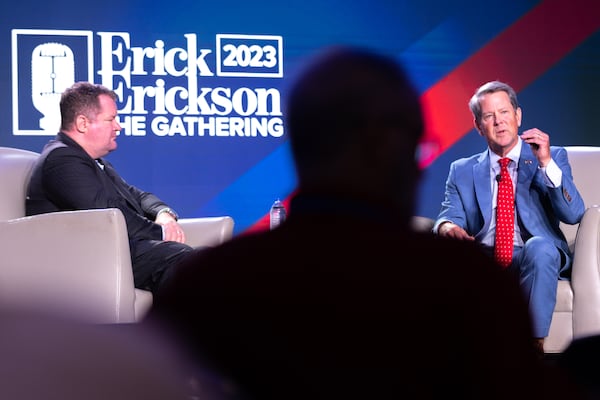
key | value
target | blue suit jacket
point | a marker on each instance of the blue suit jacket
(540, 209)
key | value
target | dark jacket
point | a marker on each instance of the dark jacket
(66, 178)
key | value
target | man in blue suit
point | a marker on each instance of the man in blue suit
(544, 195)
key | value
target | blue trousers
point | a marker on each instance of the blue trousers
(537, 265)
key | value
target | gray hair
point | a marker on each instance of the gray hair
(491, 87)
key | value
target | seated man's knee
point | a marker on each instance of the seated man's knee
(541, 251)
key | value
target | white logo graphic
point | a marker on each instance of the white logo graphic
(44, 64)
(250, 55)
(52, 71)
(164, 88)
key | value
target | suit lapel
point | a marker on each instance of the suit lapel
(118, 183)
(483, 190)
(525, 173)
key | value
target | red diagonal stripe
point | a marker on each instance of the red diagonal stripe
(517, 56)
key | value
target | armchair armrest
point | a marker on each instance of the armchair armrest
(207, 231)
(74, 263)
(422, 224)
(585, 277)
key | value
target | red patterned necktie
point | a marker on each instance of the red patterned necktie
(505, 217)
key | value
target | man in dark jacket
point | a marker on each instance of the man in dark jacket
(72, 175)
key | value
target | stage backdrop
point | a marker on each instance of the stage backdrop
(202, 85)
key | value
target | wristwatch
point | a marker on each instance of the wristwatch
(169, 211)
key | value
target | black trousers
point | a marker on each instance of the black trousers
(154, 261)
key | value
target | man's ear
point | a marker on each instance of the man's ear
(81, 123)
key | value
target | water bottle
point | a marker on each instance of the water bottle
(277, 214)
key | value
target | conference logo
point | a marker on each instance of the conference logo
(172, 86)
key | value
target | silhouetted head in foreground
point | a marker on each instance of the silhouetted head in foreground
(325, 306)
(354, 122)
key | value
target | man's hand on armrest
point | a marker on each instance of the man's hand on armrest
(171, 229)
(451, 230)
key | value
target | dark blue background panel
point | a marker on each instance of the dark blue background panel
(202, 85)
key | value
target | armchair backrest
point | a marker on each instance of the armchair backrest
(585, 165)
(15, 168)
(74, 262)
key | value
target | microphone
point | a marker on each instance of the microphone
(498, 178)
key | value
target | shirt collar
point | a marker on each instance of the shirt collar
(514, 154)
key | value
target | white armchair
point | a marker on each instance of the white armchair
(577, 310)
(74, 263)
